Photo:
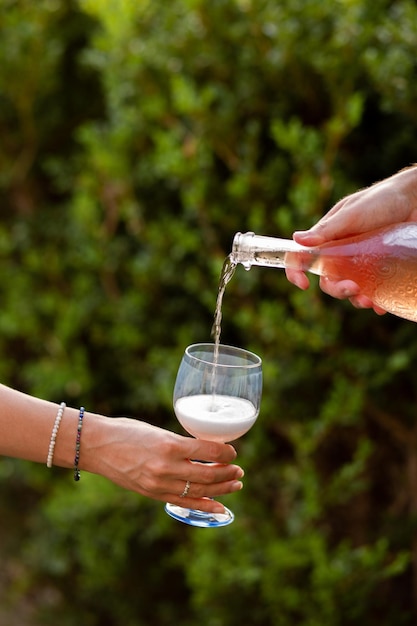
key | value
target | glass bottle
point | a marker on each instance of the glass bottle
(382, 262)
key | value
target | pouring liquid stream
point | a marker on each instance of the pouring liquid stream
(228, 269)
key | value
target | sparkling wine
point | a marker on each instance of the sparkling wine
(219, 418)
(383, 263)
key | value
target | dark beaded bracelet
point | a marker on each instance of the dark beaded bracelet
(78, 444)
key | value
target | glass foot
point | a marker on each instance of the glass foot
(193, 517)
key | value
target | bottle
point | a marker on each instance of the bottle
(382, 262)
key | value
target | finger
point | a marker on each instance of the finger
(337, 224)
(378, 310)
(189, 489)
(211, 473)
(191, 498)
(201, 504)
(348, 289)
(340, 289)
(210, 451)
(299, 279)
(362, 302)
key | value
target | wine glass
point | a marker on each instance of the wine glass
(217, 397)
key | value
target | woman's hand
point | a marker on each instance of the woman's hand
(391, 201)
(158, 463)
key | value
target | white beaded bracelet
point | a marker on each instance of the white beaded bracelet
(54, 434)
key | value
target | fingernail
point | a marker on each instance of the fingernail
(240, 473)
(348, 293)
(237, 485)
(308, 237)
(300, 235)
(299, 281)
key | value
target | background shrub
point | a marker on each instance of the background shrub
(137, 138)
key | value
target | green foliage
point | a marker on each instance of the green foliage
(137, 138)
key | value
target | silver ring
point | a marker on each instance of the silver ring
(186, 489)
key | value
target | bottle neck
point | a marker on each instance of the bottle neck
(250, 249)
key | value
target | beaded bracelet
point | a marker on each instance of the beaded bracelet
(54, 434)
(77, 444)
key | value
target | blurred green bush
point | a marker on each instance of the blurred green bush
(136, 138)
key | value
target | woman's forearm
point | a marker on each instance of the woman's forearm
(26, 424)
